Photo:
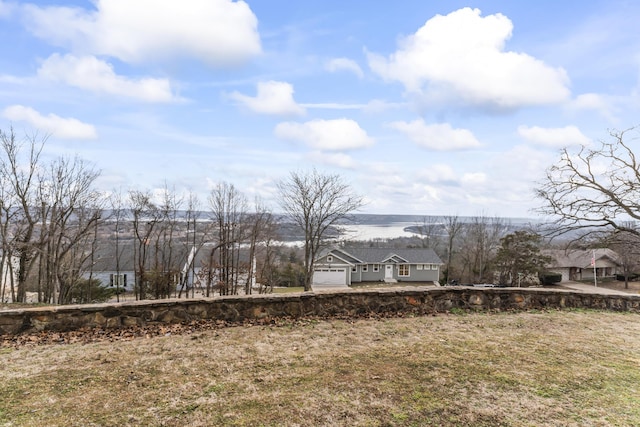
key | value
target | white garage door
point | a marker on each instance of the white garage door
(330, 276)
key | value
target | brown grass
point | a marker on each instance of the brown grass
(571, 368)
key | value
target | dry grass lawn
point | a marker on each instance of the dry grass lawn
(569, 368)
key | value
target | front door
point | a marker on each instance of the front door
(388, 271)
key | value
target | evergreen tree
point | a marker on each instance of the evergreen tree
(519, 259)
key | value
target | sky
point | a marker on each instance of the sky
(422, 107)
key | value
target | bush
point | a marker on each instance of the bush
(632, 277)
(89, 291)
(550, 278)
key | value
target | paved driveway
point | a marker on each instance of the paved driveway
(583, 287)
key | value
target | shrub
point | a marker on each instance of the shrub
(89, 291)
(550, 278)
(631, 276)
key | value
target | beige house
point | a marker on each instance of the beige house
(578, 264)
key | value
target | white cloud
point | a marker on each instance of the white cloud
(594, 102)
(553, 137)
(6, 9)
(59, 127)
(461, 56)
(333, 159)
(473, 179)
(514, 174)
(90, 73)
(326, 135)
(218, 32)
(344, 64)
(439, 174)
(272, 98)
(440, 136)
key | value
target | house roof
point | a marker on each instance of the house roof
(383, 255)
(581, 258)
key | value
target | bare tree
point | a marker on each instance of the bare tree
(165, 269)
(50, 212)
(316, 202)
(480, 239)
(117, 215)
(260, 231)
(146, 216)
(7, 218)
(627, 246)
(19, 168)
(194, 241)
(594, 189)
(452, 226)
(74, 210)
(430, 230)
(228, 207)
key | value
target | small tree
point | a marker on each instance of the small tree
(519, 258)
(316, 202)
(87, 291)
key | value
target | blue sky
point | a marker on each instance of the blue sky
(434, 108)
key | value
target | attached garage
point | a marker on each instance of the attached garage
(330, 276)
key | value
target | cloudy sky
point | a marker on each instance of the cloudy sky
(423, 107)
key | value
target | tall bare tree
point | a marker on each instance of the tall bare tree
(260, 227)
(194, 240)
(167, 253)
(146, 216)
(118, 215)
(7, 235)
(316, 202)
(452, 226)
(479, 243)
(228, 207)
(19, 167)
(51, 212)
(74, 210)
(591, 190)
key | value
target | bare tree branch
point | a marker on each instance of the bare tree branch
(594, 189)
(316, 202)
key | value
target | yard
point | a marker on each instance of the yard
(512, 369)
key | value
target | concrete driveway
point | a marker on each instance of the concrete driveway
(583, 287)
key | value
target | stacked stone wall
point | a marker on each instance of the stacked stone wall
(236, 309)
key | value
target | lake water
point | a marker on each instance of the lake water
(376, 231)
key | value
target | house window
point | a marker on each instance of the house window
(376, 268)
(419, 267)
(403, 270)
(354, 269)
(434, 266)
(365, 268)
(329, 258)
(119, 280)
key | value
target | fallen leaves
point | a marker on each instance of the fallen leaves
(100, 334)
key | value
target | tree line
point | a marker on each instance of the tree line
(53, 222)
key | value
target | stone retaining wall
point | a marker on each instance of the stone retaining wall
(417, 301)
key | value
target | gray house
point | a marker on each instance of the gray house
(342, 267)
